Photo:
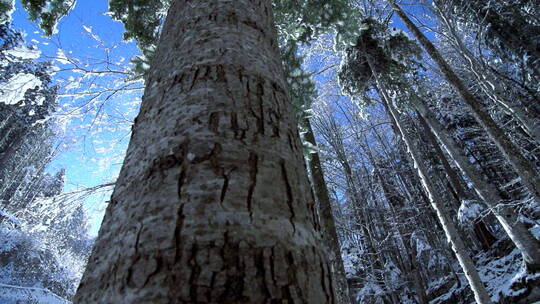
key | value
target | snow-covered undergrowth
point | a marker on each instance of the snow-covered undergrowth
(39, 264)
(15, 294)
(500, 268)
(504, 276)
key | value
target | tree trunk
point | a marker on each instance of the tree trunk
(491, 85)
(480, 293)
(458, 247)
(397, 201)
(213, 203)
(326, 217)
(523, 167)
(516, 230)
(482, 233)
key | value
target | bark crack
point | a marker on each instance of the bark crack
(213, 122)
(137, 238)
(260, 99)
(194, 79)
(288, 191)
(180, 217)
(159, 264)
(195, 272)
(239, 134)
(210, 156)
(225, 185)
(252, 163)
(328, 294)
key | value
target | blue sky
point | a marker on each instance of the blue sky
(96, 131)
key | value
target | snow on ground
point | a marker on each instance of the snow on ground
(470, 211)
(10, 294)
(498, 274)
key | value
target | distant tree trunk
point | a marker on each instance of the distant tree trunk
(354, 195)
(482, 233)
(530, 177)
(490, 84)
(458, 247)
(397, 202)
(212, 204)
(452, 234)
(327, 217)
(516, 230)
(507, 36)
(361, 217)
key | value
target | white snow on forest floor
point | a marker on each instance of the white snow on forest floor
(15, 294)
(497, 274)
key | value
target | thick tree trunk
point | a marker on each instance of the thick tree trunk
(326, 216)
(530, 177)
(516, 230)
(213, 203)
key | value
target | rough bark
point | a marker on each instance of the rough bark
(523, 167)
(516, 230)
(212, 204)
(326, 217)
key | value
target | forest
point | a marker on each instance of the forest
(257, 151)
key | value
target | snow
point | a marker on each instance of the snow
(7, 216)
(88, 29)
(23, 52)
(6, 16)
(395, 32)
(12, 91)
(499, 275)
(419, 241)
(15, 294)
(61, 57)
(470, 211)
(370, 289)
(39, 259)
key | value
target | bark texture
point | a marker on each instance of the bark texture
(213, 203)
